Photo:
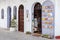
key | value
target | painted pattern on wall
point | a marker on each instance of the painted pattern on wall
(48, 18)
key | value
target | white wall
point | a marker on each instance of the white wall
(57, 18)
(3, 22)
(28, 4)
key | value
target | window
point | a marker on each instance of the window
(15, 12)
(2, 13)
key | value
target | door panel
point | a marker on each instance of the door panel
(21, 19)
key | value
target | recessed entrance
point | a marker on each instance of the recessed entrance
(21, 18)
(37, 18)
(9, 17)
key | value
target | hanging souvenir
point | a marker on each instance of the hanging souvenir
(43, 26)
(35, 22)
(50, 14)
(44, 15)
(43, 7)
(46, 26)
(50, 27)
(46, 11)
(43, 18)
(43, 10)
(50, 23)
(51, 10)
(52, 6)
(46, 18)
(46, 22)
(43, 22)
(50, 19)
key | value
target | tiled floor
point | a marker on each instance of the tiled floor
(7, 35)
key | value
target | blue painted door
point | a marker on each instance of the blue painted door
(9, 17)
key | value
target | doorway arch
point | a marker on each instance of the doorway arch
(37, 13)
(21, 18)
(15, 12)
(9, 17)
(2, 13)
(48, 14)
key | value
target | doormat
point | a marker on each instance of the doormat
(36, 34)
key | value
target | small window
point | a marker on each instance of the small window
(15, 12)
(2, 14)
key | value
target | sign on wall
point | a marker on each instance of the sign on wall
(48, 18)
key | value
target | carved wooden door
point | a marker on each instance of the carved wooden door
(21, 19)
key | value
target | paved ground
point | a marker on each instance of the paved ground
(7, 35)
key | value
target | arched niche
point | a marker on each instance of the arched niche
(15, 12)
(8, 16)
(48, 18)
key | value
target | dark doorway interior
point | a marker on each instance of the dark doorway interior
(38, 17)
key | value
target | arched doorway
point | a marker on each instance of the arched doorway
(9, 17)
(37, 17)
(48, 14)
(21, 18)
